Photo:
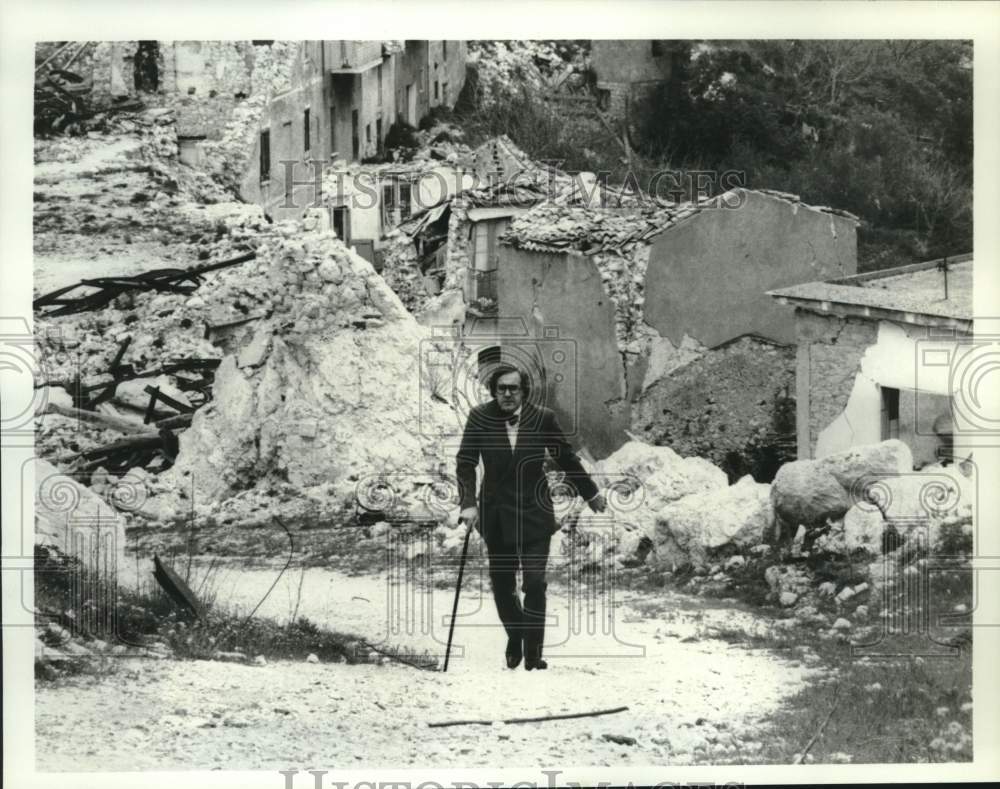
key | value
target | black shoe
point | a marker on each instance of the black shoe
(514, 652)
(539, 663)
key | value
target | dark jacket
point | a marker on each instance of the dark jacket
(515, 505)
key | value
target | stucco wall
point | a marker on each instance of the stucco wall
(707, 277)
(285, 118)
(283, 115)
(564, 294)
(409, 64)
(450, 70)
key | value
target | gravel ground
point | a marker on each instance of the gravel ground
(690, 697)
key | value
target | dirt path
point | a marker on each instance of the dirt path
(689, 696)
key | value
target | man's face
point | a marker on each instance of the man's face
(509, 392)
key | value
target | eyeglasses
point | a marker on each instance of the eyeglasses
(508, 388)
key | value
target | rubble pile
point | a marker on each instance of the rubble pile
(280, 340)
(696, 526)
(401, 269)
(683, 514)
(326, 392)
(640, 481)
(124, 199)
(809, 492)
(733, 405)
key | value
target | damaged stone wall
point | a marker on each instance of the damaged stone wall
(458, 257)
(623, 273)
(234, 157)
(830, 350)
(401, 270)
(202, 81)
(845, 367)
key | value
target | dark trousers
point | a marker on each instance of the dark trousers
(525, 621)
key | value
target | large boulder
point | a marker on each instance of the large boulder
(689, 531)
(804, 493)
(854, 466)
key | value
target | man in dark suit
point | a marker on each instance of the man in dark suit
(515, 515)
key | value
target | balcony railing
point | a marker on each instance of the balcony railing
(482, 291)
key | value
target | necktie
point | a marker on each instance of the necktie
(512, 420)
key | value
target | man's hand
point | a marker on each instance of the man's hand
(470, 515)
(598, 503)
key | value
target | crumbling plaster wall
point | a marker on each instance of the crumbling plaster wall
(202, 81)
(708, 276)
(828, 360)
(458, 256)
(843, 363)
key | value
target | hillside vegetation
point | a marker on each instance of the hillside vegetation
(880, 128)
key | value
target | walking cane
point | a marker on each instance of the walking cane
(458, 589)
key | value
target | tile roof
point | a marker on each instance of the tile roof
(555, 227)
(561, 226)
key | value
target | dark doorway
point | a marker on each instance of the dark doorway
(146, 68)
(355, 136)
(338, 218)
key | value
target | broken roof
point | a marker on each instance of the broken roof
(564, 226)
(914, 294)
(554, 227)
(505, 176)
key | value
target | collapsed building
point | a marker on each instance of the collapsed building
(272, 371)
(446, 257)
(225, 355)
(884, 355)
(691, 276)
(270, 118)
(634, 297)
